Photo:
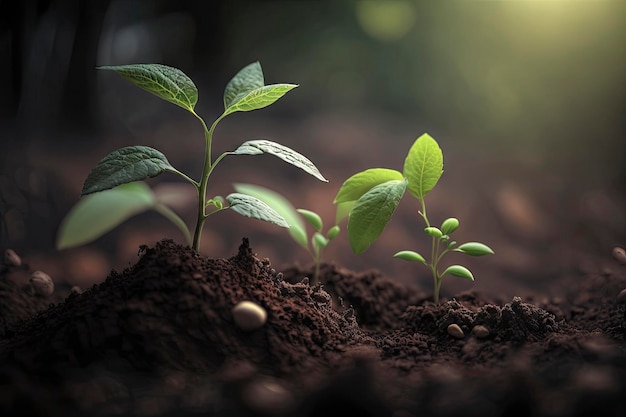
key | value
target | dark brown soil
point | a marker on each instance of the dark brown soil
(159, 339)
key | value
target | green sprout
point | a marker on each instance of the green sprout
(297, 228)
(371, 197)
(114, 190)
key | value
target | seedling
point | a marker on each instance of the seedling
(297, 228)
(114, 191)
(371, 197)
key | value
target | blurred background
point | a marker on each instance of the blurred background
(526, 98)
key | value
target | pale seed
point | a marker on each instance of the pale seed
(455, 331)
(620, 255)
(480, 331)
(249, 316)
(11, 258)
(621, 297)
(41, 283)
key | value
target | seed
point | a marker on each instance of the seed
(249, 316)
(41, 284)
(455, 331)
(11, 258)
(480, 331)
(620, 255)
(621, 297)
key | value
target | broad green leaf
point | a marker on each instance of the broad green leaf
(282, 206)
(354, 187)
(423, 165)
(449, 225)
(474, 249)
(94, 215)
(343, 210)
(260, 97)
(260, 146)
(372, 212)
(169, 83)
(433, 231)
(254, 208)
(312, 218)
(409, 255)
(247, 79)
(458, 271)
(129, 164)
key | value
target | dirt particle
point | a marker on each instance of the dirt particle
(11, 259)
(480, 331)
(455, 331)
(41, 284)
(249, 316)
(620, 255)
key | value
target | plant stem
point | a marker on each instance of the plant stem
(434, 254)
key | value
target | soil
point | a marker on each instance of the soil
(159, 339)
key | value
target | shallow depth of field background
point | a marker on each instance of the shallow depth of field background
(526, 99)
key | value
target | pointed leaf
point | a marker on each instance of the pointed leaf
(297, 228)
(129, 164)
(423, 165)
(247, 79)
(354, 187)
(254, 208)
(169, 83)
(458, 271)
(409, 255)
(474, 249)
(312, 218)
(372, 212)
(94, 215)
(260, 146)
(260, 97)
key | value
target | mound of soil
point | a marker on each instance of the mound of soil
(159, 339)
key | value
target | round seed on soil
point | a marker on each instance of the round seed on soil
(455, 331)
(480, 331)
(621, 297)
(11, 258)
(41, 283)
(620, 255)
(249, 316)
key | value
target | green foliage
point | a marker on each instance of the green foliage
(296, 219)
(111, 193)
(370, 198)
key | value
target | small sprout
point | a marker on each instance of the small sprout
(312, 218)
(480, 331)
(455, 331)
(12, 259)
(620, 255)
(371, 197)
(41, 284)
(249, 316)
(114, 190)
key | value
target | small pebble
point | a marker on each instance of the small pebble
(621, 297)
(11, 258)
(76, 290)
(41, 284)
(620, 255)
(480, 331)
(455, 331)
(249, 316)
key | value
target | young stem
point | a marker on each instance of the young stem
(434, 254)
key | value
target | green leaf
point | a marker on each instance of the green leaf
(313, 218)
(260, 146)
(319, 240)
(372, 212)
(333, 232)
(169, 83)
(260, 97)
(449, 225)
(409, 255)
(247, 79)
(423, 165)
(254, 208)
(129, 164)
(354, 187)
(343, 210)
(474, 249)
(433, 231)
(94, 215)
(458, 271)
(282, 206)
